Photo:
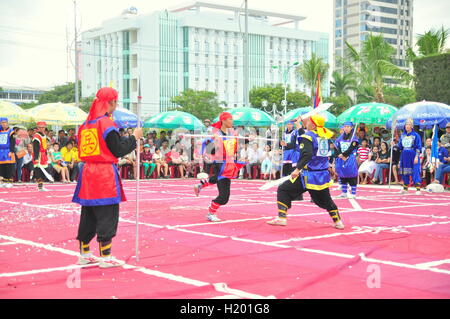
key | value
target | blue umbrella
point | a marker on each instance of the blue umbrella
(124, 118)
(425, 114)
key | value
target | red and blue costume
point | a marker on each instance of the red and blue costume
(99, 189)
(226, 165)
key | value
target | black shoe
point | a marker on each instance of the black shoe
(298, 198)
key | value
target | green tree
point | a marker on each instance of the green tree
(274, 94)
(430, 43)
(61, 93)
(340, 104)
(399, 96)
(202, 104)
(342, 83)
(373, 64)
(310, 70)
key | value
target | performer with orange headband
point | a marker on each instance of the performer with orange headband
(311, 174)
(226, 167)
(99, 189)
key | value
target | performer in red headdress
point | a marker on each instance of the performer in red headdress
(40, 158)
(99, 189)
(226, 167)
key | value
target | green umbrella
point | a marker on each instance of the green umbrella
(173, 120)
(331, 120)
(247, 116)
(368, 113)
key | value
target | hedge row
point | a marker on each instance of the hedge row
(433, 78)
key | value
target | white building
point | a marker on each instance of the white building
(198, 46)
(354, 20)
(20, 95)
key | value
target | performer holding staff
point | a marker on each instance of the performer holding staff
(99, 190)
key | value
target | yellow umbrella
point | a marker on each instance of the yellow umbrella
(58, 114)
(14, 113)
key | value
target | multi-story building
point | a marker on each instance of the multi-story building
(354, 20)
(20, 95)
(197, 46)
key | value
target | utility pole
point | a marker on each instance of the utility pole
(77, 99)
(246, 61)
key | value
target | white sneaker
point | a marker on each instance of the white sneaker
(212, 218)
(277, 222)
(351, 196)
(8, 185)
(403, 192)
(418, 192)
(110, 262)
(342, 195)
(339, 225)
(2, 185)
(43, 189)
(87, 260)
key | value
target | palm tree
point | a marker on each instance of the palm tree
(342, 83)
(430, 43)
(310, 70)
(373, 64)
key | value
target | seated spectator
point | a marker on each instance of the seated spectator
(276, 163)
(382, 162)
(266, 162)
(427, 166)
(69, 156)
(187, 166)
(198, 156)
(27, 162)
(58, 164)
(147, 161)
(376, 142)
(165, 148)
(254, 157)
(129, 160)
(160, 163)
(363, 152)
(443, 165)
(244, 157)
(174, 159)
(368, 166)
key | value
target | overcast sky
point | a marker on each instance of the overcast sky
(33, 32)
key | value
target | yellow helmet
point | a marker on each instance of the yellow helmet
(319, 121)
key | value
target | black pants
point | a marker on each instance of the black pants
(100, 220)
(287, 169)
(288, 192)
(223, 185)
(352, 181)
(38, 174)
(7, 170)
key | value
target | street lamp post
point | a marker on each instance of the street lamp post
(285, 80)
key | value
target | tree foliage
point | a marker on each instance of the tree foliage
(202, 104)
(309, 71)
(274, 94)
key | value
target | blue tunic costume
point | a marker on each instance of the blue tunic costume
(348, 168)
(316, 174)
(291, 153)
(411, 145)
